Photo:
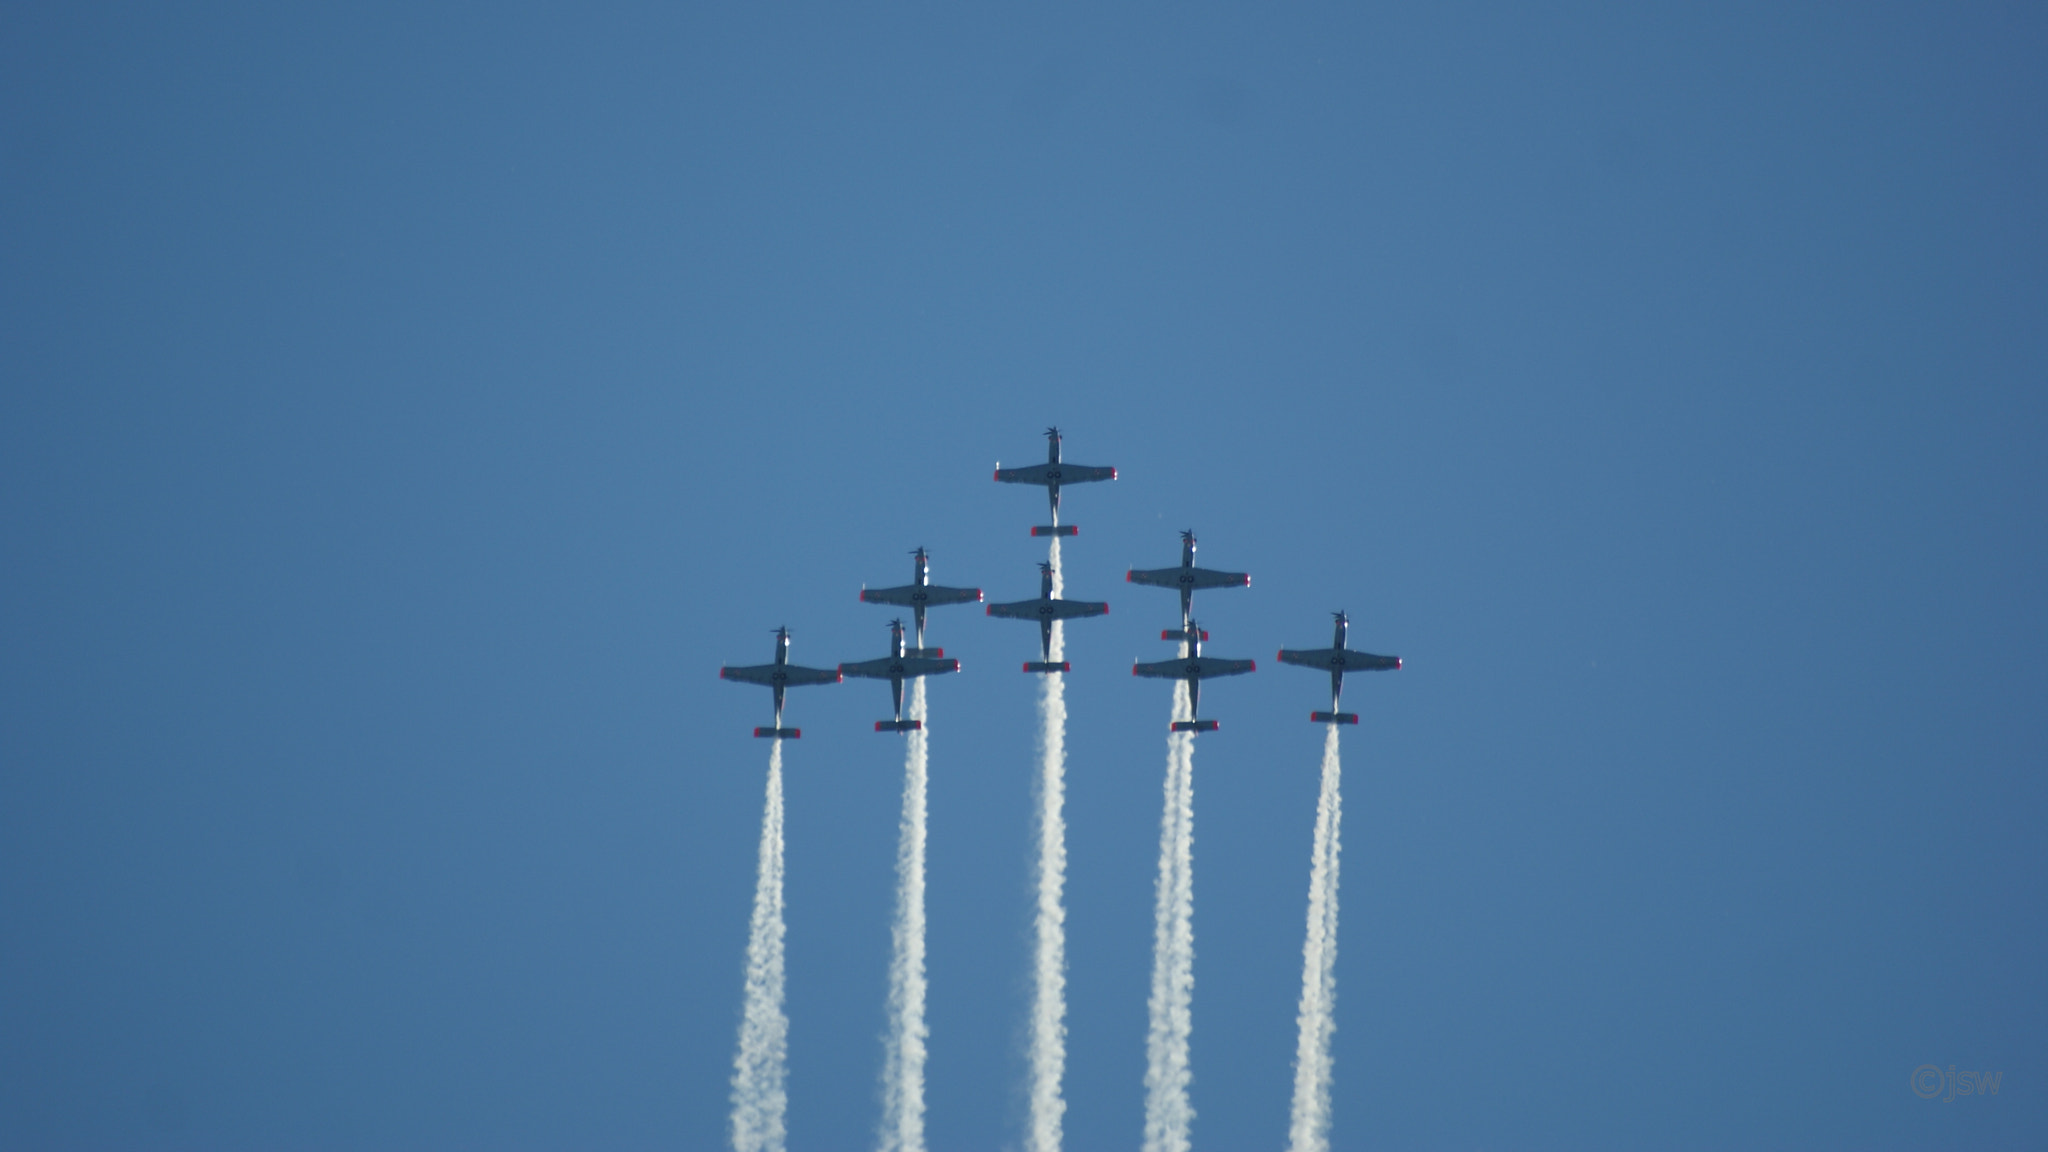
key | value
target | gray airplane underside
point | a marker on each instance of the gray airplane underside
(920, 594)
(779, 676)
(1045, 610)
(1337, 660)
(897, 667)
(1188, 579)
(1194, 668)
(1051, 475)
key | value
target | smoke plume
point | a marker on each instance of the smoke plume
(904, 1052)
(760, 1103)
(1048, 1051)
(1309, 1128)
(1168, 1115)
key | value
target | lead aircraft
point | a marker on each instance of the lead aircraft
(1187, 578)
(918, 595)
(779, 676)
(897, 667)
(1337, 660)
(1194, 668)
(1052, 474)
(1045, 610)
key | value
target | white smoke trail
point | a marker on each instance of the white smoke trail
(1048, 1052)
(1168, 1115)
(904, 1052)
(760, 1102)
(1309, 1129)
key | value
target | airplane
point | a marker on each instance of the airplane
(1045, 610)
(1187, 578)
(896, 667)
(780, 675)
(1194, 668)
(1052, 474)
(918, 595)
(1337, 660)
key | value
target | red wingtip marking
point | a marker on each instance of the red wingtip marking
(1397, 663)
(1027, 665)
(956, 665)
(1247, 579)
(841, 678)
(1127, 578)
(999, 474)
(1254, 665)
(1112, 473)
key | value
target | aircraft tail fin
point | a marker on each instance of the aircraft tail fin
(1055, 530)
(779, 733)
(1194, 725)
(898, 725)
(1038, 666)
(1181, 634)
(1334, 717)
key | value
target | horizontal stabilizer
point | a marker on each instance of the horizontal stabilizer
(1194, 725)
(898, 725)
(1334, 717)
(927, 653)
(1056, 530)
(779, 733)
(1036, 666)
(1180, 634)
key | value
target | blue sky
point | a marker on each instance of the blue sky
(406, 411)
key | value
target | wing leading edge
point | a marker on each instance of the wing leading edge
(1049, 609)
(1339, 660)
(1194, 667)
(1188, 578)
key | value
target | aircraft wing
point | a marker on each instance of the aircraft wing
(938, 594)
(910, 595)
(1043, 474)
(1017, 610)
(1031, 474)
(790, 674)
(1188, 577)
(1205, 667)
(1049, 609)
(1339, 660)
(889, 666)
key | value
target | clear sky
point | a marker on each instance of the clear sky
(404, 411)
